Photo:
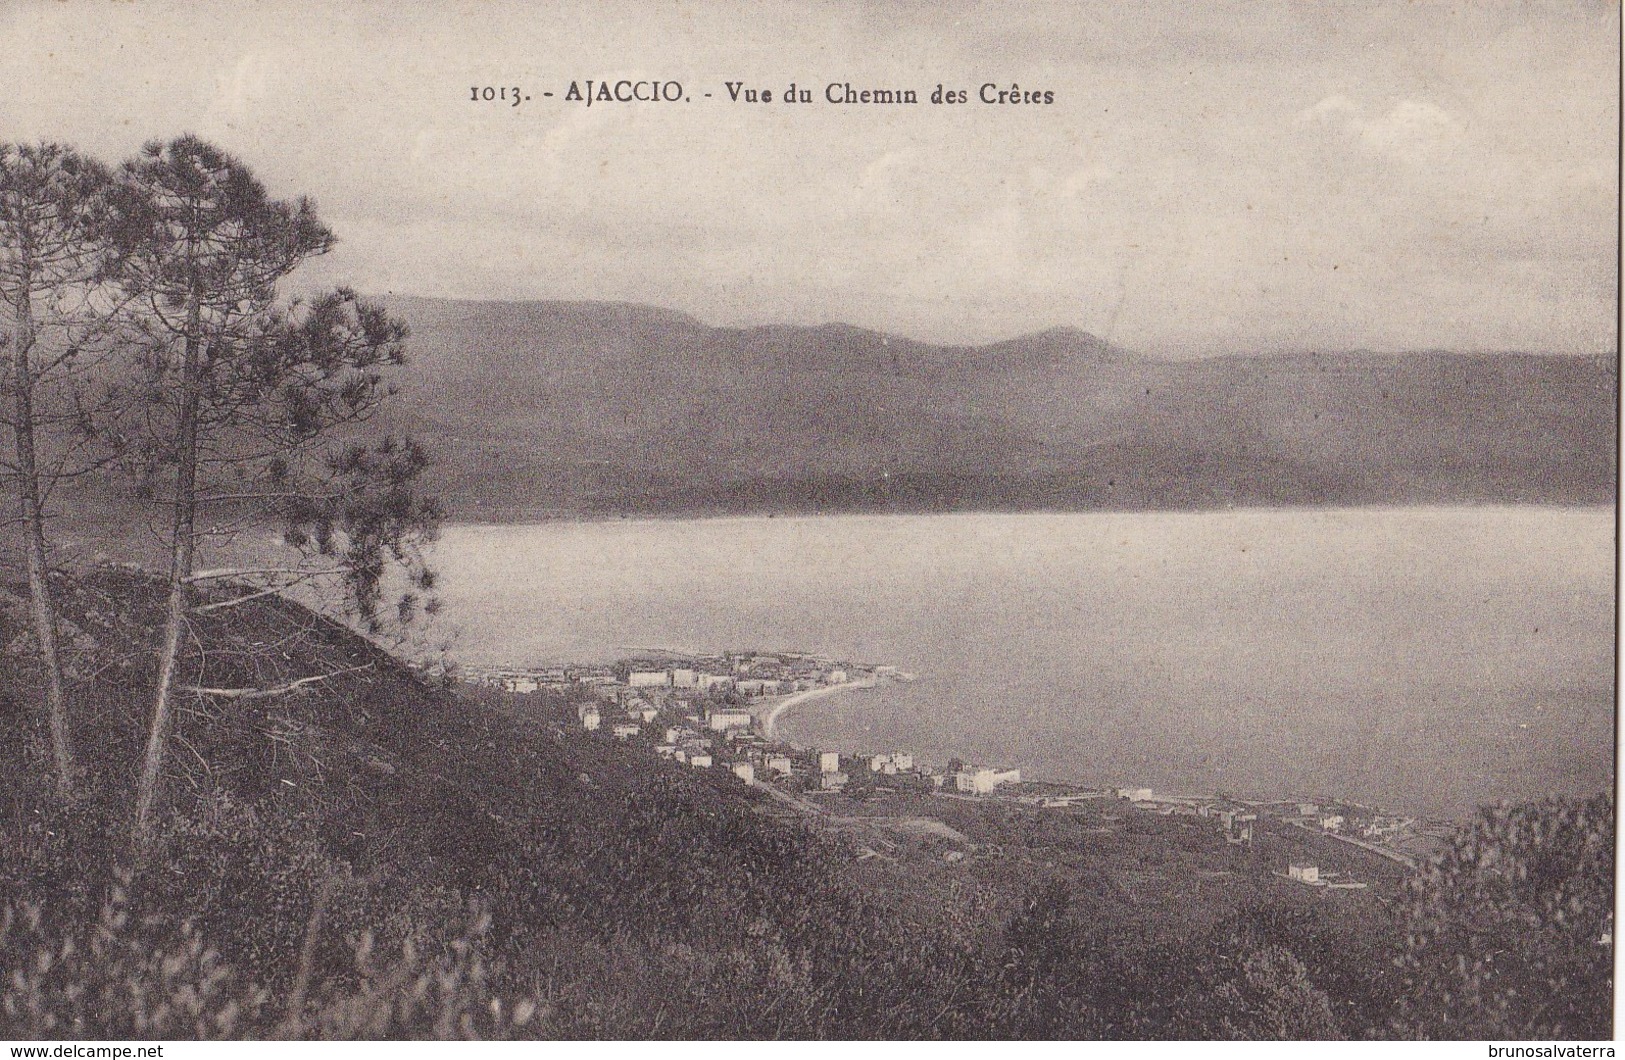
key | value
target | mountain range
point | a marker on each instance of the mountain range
(604, 408)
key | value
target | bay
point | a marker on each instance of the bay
(1421, 659)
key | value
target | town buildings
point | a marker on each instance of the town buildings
(703, 712)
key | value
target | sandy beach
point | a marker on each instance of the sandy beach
(789, 701)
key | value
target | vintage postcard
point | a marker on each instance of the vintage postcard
(809, 520)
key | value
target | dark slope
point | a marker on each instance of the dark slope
(627, 896)
(405, 810)
(608, 407)
(310, 837)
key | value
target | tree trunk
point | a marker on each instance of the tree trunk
(182, 549)
(39, 570)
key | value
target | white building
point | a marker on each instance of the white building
(1384, 825)
(625, 732)
(745, 771)
(648, 679)
(1303, 873)
(1134, 794)
(829, 762)
(714, 680)
(780, 764)
(729, 719)
(700, 761)
(682, 677)
(902, 761)
(983, 781)
(878, 763)
(590, 720)
(837, 677)
(522, 685)
(1238, 828)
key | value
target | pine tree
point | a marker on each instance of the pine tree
(250, 403)
(51, 258)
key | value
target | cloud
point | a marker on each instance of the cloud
(1083, 180)
(884, 183)
(1335, 109)
(241, 91)
(1412, 126)
(1410, 130)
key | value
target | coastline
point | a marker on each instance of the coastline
(519, 516)
(772, 717)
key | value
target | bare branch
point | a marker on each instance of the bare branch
(242, 694)
(233, 602)
(243, 572)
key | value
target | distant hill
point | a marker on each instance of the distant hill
(586, 407)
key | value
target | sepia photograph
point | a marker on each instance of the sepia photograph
(815, 520)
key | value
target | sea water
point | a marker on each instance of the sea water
(1421, 659)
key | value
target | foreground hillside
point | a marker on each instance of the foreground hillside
(591, 407)
(368, 855)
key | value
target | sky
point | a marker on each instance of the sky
(1211, 178)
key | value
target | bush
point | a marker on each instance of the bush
(132, 976)
(1510, 934)
(1270, 998)
(124, 977)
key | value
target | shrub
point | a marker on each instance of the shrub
(124, 977)
(1510, 934)
(132, 976)
(1270, 998)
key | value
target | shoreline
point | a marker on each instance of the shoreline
(520, 516)
(770, 720)
(768, 723)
